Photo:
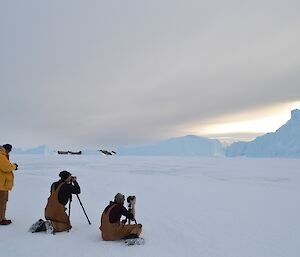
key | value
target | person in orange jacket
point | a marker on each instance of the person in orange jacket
(61, 193)
(111, 226)
(6, 180)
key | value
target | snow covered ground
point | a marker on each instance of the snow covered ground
(208, 207)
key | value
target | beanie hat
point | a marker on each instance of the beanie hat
(64, 174)
(7, 147)
(119, 198)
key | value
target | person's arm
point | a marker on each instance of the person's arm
(5, 164)
(127, 213)
(75, 188)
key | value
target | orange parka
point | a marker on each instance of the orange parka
(6, 171)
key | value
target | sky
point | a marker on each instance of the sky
(109, 73)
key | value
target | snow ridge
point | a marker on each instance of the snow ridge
(284, 142)
(189, 145)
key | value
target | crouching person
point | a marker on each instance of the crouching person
(61, 192)
(111, 226)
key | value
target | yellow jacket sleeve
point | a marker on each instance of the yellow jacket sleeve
(6, 165)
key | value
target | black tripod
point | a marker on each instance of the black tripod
(70, 200)
(83, 210)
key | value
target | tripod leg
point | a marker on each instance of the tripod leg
(83, 209)
(70, 208)
(70, 200)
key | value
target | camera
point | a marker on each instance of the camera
(130, 198)
(131, 203)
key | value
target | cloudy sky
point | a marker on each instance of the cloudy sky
(108, 73)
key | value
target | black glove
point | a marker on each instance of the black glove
(16, 166)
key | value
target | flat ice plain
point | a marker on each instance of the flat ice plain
(189, 206)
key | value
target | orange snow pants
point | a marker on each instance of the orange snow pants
(3, 201)
(55, 212)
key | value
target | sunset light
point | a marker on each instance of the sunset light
(254, 122)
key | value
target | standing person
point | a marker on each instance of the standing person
(6, 180)
(61, 192)
(112, 228)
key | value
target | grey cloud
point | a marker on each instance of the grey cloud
(129, 72)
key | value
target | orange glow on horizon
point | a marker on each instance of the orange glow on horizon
(256, 121)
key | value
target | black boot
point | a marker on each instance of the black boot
(131, 236)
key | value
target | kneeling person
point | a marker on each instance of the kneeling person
(111, 226)
(61, 192)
